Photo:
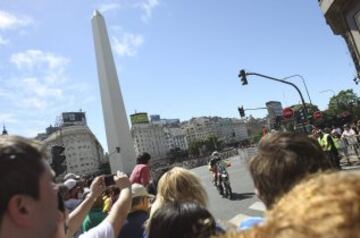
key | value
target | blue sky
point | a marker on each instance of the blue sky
(178, 58)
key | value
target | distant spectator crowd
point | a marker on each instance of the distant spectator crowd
(297, 177)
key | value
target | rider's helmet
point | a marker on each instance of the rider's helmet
(215, 154)
(215, 157)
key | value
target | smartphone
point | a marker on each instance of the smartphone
(109, 180)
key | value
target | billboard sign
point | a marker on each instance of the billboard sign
(139, 118)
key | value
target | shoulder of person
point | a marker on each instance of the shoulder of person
(103, 230)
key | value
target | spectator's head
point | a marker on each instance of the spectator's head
(179, 185)
(71, 176)
(73, 188)
(346, 127)
(318, 208)
(140, 198)
(177, 220)
(322, 206)
(283, 159)
(143, 158)
(28, 196)
(327, 130)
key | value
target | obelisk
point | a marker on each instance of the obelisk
(120, 144)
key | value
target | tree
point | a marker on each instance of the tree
(311, 108)
(344, 101)
(194, 147)
(212, 143)
(176, 155)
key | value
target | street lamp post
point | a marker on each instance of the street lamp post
(243, 75)
(303, 80)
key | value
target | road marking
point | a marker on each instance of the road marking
(258, 206)
(236, 220)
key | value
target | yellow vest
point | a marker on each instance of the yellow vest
(336, 142)
(324, 142)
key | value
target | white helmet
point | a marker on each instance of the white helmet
(215, 154)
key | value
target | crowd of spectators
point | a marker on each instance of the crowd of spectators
(305, 194)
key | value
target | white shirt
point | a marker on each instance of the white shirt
(103, 230)
(350, 132)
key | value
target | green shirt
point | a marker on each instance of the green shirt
(95, 217)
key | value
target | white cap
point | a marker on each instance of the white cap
(138, 190)
(70, 183)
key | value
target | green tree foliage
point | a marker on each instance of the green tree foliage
(194, 147)
(204, 146)
(177, 155)
(344, 101)
(310, 107)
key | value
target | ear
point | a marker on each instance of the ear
(20, 209)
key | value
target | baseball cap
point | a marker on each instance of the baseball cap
(138, 190)
(70, 183)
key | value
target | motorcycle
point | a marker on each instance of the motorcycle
(223, 184)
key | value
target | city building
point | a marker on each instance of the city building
(83, 152)
(175, 138)
(155, 119)
(150, 138)
(158, 136)
(225, 129)
(343, 17)
(274, 113)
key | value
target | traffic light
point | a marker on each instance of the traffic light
(300, 116)
(241, 111)
(58, 159)
(242, 76)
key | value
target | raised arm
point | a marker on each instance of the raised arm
(121, 207)
(77, 216)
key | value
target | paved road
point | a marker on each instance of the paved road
(244, 202)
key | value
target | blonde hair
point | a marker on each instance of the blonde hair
(179, 185)
(325, 205)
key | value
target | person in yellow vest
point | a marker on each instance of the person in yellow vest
(327, 144)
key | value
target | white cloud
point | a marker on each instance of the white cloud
(3, 41)
(41, 89)
(127, 44)
(10, 21)
(7, 118)
(39, 104)
(31, 59)
(108, 7)
(42, 79)
(147, 6)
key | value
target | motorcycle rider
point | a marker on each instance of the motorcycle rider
(218, 167)
(212, 165)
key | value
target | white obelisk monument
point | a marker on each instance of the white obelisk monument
(116, 122)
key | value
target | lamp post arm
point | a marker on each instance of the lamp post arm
(305, 86)
(285, 82)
